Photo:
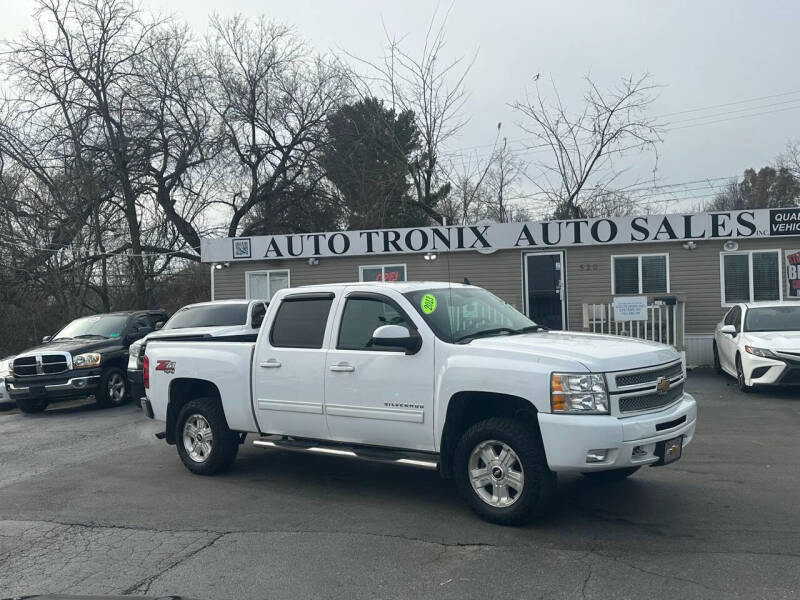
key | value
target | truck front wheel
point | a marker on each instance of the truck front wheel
(112, 389)
(501, 470)
(205, 443)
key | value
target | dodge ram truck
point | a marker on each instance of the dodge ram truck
(437, 375)
(85, 358)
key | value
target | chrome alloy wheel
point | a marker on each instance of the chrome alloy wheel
(496, 474)
(116, 388)
(197, 438)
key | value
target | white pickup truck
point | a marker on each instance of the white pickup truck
(440, 375)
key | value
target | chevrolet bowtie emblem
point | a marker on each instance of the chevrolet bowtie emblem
(662, 385)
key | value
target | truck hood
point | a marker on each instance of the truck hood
(75, 346)
(598, 353)
(775, 340)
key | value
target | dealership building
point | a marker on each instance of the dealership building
(669, 278)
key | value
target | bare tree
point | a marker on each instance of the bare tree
(433, 89)
(272, 98)
(582, 148)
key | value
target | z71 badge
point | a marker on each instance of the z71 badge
(167, 366)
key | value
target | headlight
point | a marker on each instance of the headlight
(578, 393)
(762, 352)
(85, 361)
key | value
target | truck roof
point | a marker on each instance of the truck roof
(231, 301)
(400, 286)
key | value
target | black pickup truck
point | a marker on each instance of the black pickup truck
(87, 357)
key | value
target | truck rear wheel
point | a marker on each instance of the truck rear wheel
(205, 443)
(501, 470)
(31, 406)
(112, 389)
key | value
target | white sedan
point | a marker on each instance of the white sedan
(759, 344)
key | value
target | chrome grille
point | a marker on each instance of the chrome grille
(650, 400)
(646, 377)
(41, 364)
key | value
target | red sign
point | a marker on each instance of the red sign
(793, 273)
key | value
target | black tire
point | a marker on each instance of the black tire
(717, 364)
(31, 406)
(223, 445)
(539, 482)
(112, 389)
(610, 476)
(743, 387)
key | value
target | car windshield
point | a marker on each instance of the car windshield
(462, 314)
(208, 315)
(101, 326)
(773, 318)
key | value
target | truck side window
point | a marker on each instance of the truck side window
(300, 322)
(361, 317)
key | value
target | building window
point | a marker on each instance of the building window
(382, 273)
(640, 274)
(750, 276)
(263, 284)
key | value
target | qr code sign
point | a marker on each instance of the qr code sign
(241, 248)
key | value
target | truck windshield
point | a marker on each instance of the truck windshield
(209, 315)
(105, 326)
(773, 318)
(462, 314)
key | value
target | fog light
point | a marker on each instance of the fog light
(596, 456)
(80, 383)
(638, 451)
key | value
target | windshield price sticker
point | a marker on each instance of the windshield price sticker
(428, 303)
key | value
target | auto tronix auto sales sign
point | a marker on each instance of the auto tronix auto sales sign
(489, 237)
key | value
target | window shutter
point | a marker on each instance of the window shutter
(737, 278)
(626, 275)
(765, 276)
(654, 274)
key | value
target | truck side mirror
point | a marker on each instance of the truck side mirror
(46, 339)
(728, 329)
(396, 336)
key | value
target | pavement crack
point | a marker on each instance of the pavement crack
(143, 586)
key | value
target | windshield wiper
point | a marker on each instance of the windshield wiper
(485, 333)
(90, 335)
(530, 329)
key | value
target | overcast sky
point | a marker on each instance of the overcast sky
(702, 53)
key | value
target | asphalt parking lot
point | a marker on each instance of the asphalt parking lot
(91, 502)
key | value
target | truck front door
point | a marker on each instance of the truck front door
(289, 367)
(378, 395)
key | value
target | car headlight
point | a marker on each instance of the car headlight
(85, 361)
(578, 393)
(762, 352)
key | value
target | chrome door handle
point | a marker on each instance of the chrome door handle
(270, 364)
(342, 367)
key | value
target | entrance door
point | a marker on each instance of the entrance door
(544, 288)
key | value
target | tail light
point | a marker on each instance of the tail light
(146, 372)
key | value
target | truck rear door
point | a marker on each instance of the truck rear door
(289, 366)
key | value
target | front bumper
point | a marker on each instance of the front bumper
(66, 386)
(770, 371)
(630, 441)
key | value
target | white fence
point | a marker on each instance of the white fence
(664, 323)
